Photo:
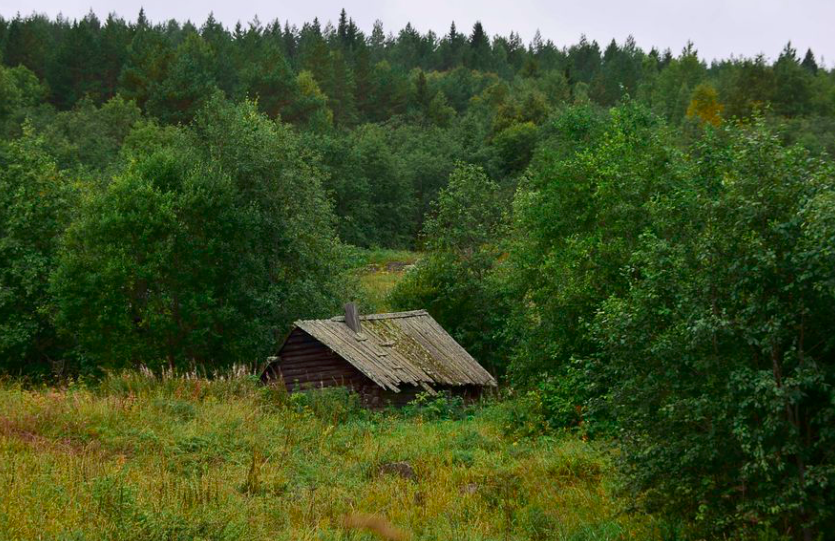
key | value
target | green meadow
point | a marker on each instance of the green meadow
(138, 457)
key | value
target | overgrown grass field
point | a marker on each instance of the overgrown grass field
(144, 458)
(378, 271)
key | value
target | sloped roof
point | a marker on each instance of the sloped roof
(400, 348)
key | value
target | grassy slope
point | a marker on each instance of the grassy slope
(138, 458)
(379, 270)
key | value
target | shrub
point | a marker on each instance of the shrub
(443, 405)
(331, 404)
(522, 416)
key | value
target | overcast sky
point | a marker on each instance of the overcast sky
(719, 28)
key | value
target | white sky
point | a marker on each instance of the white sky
(719, 28)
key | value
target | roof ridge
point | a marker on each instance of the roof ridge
(385, 315)
(371, 317)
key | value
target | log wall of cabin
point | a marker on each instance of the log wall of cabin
(307, 363)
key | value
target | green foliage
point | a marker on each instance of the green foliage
(563, 260)
(193, 253)
(439, 112)
(311, 108)
(515, 147)
(720, 353)
(453, 281)
(89, 137)
(188, 83)
(71, 75)
(468, 214)
(675, 84)
(20, 94)
(143, 269)
(434, 407)
(640, 264)
(372, 194)
(333, 405)
(620, 72)
(746, 87)
(269, 78)
(793, 84)
(35, 207)
(524, 416)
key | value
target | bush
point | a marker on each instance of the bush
(521, 416)
(430, 407)
(331, 404)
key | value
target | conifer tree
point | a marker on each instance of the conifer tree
(114, 39)
(29, 42)
(342, 29)
(148, 57)
(478, 56)
(75, 70)
(377, 41)
(793, 84)
(189, 82)
(223, 52)
(809, 62)
(583, 61)
(452, 48)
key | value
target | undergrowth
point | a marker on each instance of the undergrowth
(144, 458)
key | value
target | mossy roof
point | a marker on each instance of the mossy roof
(400, 348)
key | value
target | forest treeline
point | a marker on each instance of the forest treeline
(640, 243)
(388, 114)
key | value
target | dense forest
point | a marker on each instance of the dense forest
(639, 243)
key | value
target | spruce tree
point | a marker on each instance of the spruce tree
(478, 56)
(809, 62)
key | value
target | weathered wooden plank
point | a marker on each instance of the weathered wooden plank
(309, 356)
(319, 370)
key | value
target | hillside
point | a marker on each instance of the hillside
(186, 458)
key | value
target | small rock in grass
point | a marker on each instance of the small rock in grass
(403, 469)
(469, 488)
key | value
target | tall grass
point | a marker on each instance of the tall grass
(381, 257)
(144, 458)
(378, 271)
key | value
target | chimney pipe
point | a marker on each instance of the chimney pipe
(352, 317)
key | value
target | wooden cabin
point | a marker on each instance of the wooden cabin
(387, 358)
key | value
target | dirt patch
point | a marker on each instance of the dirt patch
(397, 266)
(390, 267)
(24, 431)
